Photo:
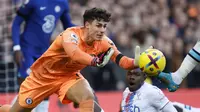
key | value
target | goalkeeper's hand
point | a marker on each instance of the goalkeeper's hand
(137, 55)
(103, 59)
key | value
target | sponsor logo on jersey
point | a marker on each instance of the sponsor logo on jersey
(42, 8)
(49, 24)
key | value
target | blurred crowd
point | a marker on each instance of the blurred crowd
(172, 26)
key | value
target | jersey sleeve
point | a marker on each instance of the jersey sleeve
(65, 17)
(185, 107)
(22, 14)
(16, 29)
(157, 99)
(124, 62)
(70, 44)
(169, 108)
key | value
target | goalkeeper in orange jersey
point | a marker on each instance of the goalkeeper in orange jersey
(58, 69)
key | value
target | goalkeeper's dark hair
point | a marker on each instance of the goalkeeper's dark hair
(96, 13)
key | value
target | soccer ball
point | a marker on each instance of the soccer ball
(152, 62)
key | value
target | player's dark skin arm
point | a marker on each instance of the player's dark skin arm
(15, 36)
(18, 56)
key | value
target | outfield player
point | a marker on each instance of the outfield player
(58, 69)
(180, 107)
(140, 96)
(174, 79)
(40, 17)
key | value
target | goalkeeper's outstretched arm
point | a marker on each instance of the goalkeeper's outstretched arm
(124, 61)
(70, 45)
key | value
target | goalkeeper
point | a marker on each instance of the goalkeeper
(58, 69)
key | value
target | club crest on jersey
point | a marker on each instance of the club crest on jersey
(57, 8)
(29, 101)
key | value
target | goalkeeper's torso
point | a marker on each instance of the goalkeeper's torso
(56, 61)
(41, 17)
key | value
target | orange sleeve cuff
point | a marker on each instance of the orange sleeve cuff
(126, 63)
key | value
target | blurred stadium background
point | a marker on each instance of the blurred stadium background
(173, 26)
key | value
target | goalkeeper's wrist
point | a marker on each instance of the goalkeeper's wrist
(94, 61)
(16, 48)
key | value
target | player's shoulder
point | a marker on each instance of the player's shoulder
(146, 86)
(152, 92)
(71, 35)
(63, 1)
(126, 91)
(150, 89)
(25, 2)
(77, 30)
(107, 40)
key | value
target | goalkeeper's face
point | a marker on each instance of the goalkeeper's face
(135, 78)
(96, 29)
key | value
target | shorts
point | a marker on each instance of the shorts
(24, 70)
(35, 89)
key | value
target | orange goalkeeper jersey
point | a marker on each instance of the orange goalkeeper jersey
(69, 54)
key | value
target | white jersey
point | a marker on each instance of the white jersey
(186, 108)
(148, 98)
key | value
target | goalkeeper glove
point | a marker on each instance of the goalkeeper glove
(137, 55)
(103, 59)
